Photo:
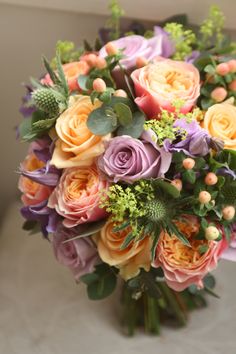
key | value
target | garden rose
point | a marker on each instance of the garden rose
(137, 46)
(183, 265)
(128, 159)
(159, 84)
(77, 145)
(33, 192)
(72, 71)
(220, 122)
(131, 259)
(79, 255)
(77, 196)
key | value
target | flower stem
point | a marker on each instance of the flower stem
(151, 315)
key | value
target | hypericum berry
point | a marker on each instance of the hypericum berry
(211, 179)
(120, 93)
(100, 63)
(219, 94)
(204, 197)
(188, 163)
(99, 85)
(177, 183)
(211, 233)
(111, 49)
(141, 61)
(232, 85)
(228, 212)
(222, 69)
(232, 65)
(45, 100)
(91, 59)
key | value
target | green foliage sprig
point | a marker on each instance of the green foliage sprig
(113, 23)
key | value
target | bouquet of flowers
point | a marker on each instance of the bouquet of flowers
(131, 168)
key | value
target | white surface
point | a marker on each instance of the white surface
(42, 311)
(148, 10)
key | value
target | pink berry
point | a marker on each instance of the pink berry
(232, 85)
(188, 163)
(141, 61)
(219, 94)
(222, 69)
(204, 197)
(120, 93)
(111, 49)
(91, 59)
(228, 212)
(100, 63)
(211, 179)
(232, 65)
(211, 233)
(177, 183)
(99, 85)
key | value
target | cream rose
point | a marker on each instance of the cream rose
(220, 122)
(131, 259)
(76, 144)
(160, 83)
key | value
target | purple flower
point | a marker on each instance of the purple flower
(137, 46)
(192, 57)
(79, 255)
(230, 253)
(27, 108)
(196, 143)
(167, 45)
(47, 218)
(128, 159)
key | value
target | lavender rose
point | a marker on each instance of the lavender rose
(196, 143)
(137, 46)
(79, 255)
(128, 159)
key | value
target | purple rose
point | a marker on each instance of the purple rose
(128, 159)
(79, 255)
(137, 46)
(196, 143)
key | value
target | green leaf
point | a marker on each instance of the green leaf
(82, 81)
(50, 71)
(209, 281)
(156, 236)
(45, 124)
(206, 103)
(136, 128)
(89, 278)
(99, 123)
(166, 187)
(87, 46)
(105, 96)
(189, 176)
(29, 225)
(210, 69)
(124, 113)
(203, 249)
(89, 229)
(25, 127)
(121, 227)
(174, 230)
(128, 239)
(61, 74)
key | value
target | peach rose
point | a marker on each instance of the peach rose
(77, 145)
(33, 192)
(77, 196)
(137, 255)
(220, 122)
(72, 71)
(163, 81)
(183, 265)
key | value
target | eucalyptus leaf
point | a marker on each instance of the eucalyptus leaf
(136, 128)
(124, 114)
(82, 81)
(99, 123)
(88, 229)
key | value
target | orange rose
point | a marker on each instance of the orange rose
(72, 71)
(220, 121)
(137, 255)
(77, 145)
(33, 192)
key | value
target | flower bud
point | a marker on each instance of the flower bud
(188, 163)
(141, 61)
(111, 49)
(211, 179)
(99, 85)
(204, 197)
(120, 93)
(177, 183)
(219, 94)
(228, 212)
(222, 69)
(232, 65)
(91, 59)
(211, 233)
(232, 85)
(100, 63)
